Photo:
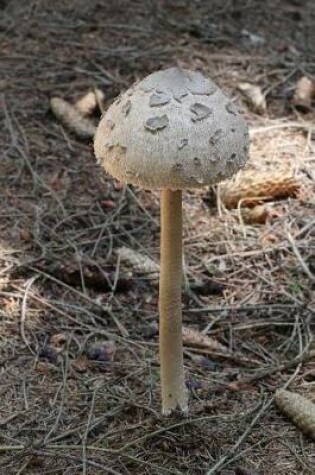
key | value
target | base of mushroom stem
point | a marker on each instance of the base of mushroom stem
(179, 409)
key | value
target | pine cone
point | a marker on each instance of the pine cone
(253, 187)
(299, 409)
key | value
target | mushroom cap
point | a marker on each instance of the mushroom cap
(175, 129)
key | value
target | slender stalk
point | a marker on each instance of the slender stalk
(174, 392)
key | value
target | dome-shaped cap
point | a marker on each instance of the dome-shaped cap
(175, 129)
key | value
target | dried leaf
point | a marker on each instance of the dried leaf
(139, 263)
(298, 409)
(196, 339)
(252, 187)
(90, 102)
(254, 97)
(303, 95)
(71, 118)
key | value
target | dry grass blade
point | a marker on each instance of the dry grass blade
(251, 187)
(196, 339)
(298, 409)
(71, 118)
(92, 100)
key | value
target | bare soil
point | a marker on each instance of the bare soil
(79, 366)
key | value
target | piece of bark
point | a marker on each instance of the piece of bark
(298, 409)
(252, 188)
(71, 118)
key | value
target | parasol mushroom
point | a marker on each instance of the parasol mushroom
(174, 130)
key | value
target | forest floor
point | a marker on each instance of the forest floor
(79, 368)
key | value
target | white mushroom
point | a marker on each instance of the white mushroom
(173, 130)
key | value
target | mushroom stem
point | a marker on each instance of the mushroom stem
(174, 392)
